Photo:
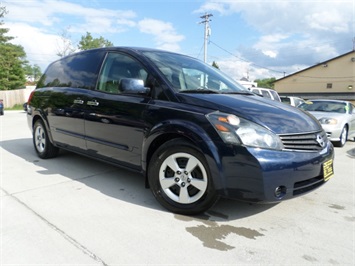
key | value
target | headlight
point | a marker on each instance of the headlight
(328, 121)
(236, 130)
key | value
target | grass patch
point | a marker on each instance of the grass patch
(15, 107)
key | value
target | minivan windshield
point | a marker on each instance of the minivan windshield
(189, 75)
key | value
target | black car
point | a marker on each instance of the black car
(194, 133)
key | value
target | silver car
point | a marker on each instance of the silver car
(293, 101)
(336, 117)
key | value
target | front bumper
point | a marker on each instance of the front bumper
(333, 131)
(259, 175)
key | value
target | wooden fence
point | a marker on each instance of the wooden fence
(13, 97)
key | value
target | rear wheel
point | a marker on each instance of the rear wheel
(180, 178)
(44, 148)
(343, 137)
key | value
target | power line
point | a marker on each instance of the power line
(284, 73)
(242, 59)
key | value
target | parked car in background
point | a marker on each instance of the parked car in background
(1, 107)
(336, 117)
(192, 132)
(291, 100)
(268, 93)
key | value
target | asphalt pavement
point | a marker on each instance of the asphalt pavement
(72, 210)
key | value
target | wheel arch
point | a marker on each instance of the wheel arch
(37, 116)
(191, 133)
(347, 126)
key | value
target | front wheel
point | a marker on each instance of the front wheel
(180, 179)
(43, 146)
(343, 137)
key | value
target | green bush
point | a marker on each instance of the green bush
(15, 107)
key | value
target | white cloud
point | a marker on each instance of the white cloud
(39, 24)
(233, 68)
(41, 48)
(55, 13)
(270, 44)
(164, 33)
(327, 21)
(293, 33)
(296, 15)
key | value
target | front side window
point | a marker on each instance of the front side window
(119, 66)
(186, 74)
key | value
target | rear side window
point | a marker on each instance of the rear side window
(75, 71)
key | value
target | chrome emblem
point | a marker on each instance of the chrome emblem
(320, 141)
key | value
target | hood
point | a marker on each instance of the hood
(278, 117)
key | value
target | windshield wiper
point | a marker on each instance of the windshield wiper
(199, 90)
(238, 92)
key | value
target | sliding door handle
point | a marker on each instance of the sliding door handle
(93, 103)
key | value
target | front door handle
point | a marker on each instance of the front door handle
(93, 103)
(78, 101)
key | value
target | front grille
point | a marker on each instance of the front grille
(307, 185)
(314, 141)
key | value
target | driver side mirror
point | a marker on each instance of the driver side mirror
(133, 86)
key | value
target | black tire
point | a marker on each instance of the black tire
(343, 138)
(43, 146)
(188, 188)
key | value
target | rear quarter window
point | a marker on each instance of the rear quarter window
(76, 71)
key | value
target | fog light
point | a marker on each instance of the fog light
(280, 192)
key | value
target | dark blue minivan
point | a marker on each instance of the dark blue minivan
(192, 132)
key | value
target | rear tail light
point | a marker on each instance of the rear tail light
(30, 98)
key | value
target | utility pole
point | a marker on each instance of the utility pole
(206, 20)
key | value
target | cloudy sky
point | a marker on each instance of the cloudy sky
(254, 38)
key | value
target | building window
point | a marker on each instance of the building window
(329, 85)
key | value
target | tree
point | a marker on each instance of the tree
(266, 83)
(33, 71)
(3, 31)
(65, 47)
(88, 42)
(12, 60)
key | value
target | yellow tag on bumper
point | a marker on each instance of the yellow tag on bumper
(328, 171)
